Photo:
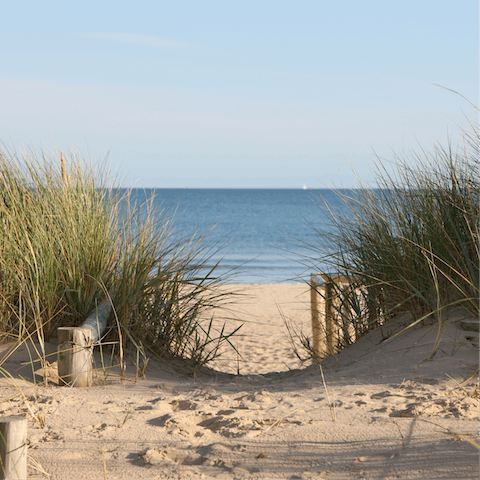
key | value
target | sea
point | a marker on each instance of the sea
(259, 235)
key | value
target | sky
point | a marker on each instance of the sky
(250, 94)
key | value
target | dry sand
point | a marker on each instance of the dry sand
(389, 412)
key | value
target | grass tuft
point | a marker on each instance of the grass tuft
(69, 239)
(408, 246)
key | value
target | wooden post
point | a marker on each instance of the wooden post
(330, 326)
(97, 320)
(13, 449)
(75, 356)
(348, 329)
(75, 347)
(314, 286)
(325, 330)
(332, 300)
(319, 331)
(345, 308)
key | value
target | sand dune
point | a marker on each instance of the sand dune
(388, 411)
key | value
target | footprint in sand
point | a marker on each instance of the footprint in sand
(179, 405)
(231, 427)
(257, 397)
(386, 393)
(184, 425)
(100, 427)
(415, 399)
(462, 407)
(143, 408)
(162, 404)
(214, 455)
(182, 416)
(157, 457)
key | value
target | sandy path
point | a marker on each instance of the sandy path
(389, 412)
(263, 341)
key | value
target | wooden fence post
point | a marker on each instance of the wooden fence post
(75, 356)
(319, 332)
(325, 330)
(75, 347)
(314, 286)
(331, 329)
(13, 451)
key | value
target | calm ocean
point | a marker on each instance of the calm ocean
(265, 227)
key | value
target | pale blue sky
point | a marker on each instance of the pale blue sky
(236, 94)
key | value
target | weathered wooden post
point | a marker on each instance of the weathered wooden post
(331, 329)
(13, 448)
(75, 356)
(314, 309)
(75, 347)
(318, 318)
(348, 328)
(340, 302)
(325, 330)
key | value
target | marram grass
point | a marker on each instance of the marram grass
(68, 240)
(411, 245)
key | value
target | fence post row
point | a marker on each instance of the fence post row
(75, 347)
(325, 331)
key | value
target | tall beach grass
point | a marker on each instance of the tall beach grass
(69, 240)
(409, 245)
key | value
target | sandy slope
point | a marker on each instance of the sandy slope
(389, 412)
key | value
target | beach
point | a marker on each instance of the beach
(383, 408)
(262, 342)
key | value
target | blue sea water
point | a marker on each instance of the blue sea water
(265, 227)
